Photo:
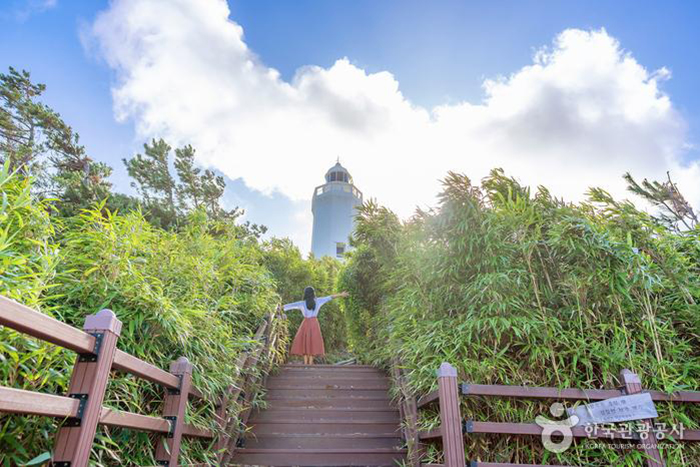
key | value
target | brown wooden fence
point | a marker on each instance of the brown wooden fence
(82, 410)
(452, 428)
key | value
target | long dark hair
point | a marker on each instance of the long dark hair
(310, 298)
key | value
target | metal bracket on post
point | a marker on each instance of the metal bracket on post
(467, 426)
(92, 357)
(78, 419)
(173, 422)
(176, 391)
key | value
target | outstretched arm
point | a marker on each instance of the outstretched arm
(323, 300)
(293, 306)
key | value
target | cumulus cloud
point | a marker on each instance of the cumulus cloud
(583, 113)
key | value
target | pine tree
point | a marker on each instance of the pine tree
(154, 182)
(35, 141)
(674, 210)
(169, 197)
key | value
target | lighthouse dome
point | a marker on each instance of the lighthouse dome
(338, 173)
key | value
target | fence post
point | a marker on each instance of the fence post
(222, 420)
(168, 446)
(633, 385)
(88, 383)
(408, 411)
(450, 418)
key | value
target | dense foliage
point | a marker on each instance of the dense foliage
(188, 293)
(518, 289)
(510, 287)
(184, 277)
(292, 273)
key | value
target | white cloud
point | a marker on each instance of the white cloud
(23, 9)
(583, 113)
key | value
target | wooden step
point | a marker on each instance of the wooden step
(303, 415)
(328, 374)
(325, 366)
(329, 371)
(329, 368)
(330, 393)
(320, 457)
(380, 403)
(295, 441)
(320, 428)
(301, 376)
(330, 383)
(324, 415)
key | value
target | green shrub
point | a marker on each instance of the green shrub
(292, 274)
(530, 290)
(28, 261)
(200, 292)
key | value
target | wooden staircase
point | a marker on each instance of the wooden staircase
(324, 415)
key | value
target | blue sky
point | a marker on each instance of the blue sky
(439, 55)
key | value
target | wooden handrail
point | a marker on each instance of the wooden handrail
(97, 355)
(428, 399)
(504, 464)
(23, 319)
(113, 417)
(430, 434)
(242, 391)
(194, 432)
(632, 385)
(33, 323)
(129, 364)
(527, 392)
(20, 401)
(533, 429)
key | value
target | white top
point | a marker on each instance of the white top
(302, 306)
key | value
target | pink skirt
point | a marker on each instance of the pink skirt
(308, 340)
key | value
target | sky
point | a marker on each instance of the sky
(564, 94)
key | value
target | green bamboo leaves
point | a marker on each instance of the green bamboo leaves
(519, 288)
(200, 292)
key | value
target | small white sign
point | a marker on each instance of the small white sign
(617, 409)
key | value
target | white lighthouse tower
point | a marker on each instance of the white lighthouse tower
(333, 206)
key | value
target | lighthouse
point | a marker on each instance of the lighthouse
(333, 206)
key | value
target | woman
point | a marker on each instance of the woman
(309, 341)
